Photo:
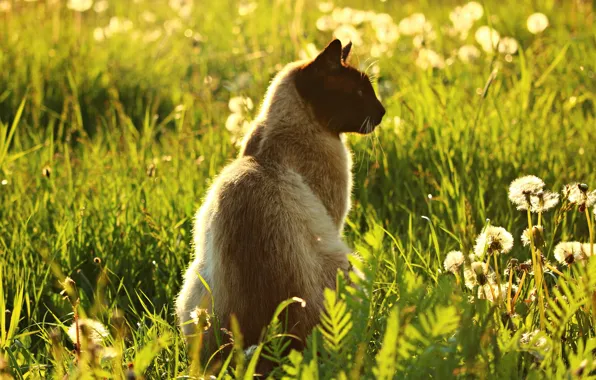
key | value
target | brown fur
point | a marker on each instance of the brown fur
(270, 226)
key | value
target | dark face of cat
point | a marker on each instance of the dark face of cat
(342, 97)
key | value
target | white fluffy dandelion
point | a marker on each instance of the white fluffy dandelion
(247, 7)
(493, 240)
(240, 104)
(543, 201)
(535, 337)
(474, 10)
(346, 33)
(93, 330)
(325, 6)
(453, 261)
(98, 34)
(567, 253)
(488, 38)
(79, 5)
(5, 6)
(468, 53)
(326, 23)
(537, 22)
(200, 317)
(578, 194)
(522, 188)
(428, 58)
(476, 274)
(101, 6)
(413, 24)
(538, 232)
(508, 45)
(493, 291)
(386, 32)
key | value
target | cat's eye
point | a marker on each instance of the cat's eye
(359, 92)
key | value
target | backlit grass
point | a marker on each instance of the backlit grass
(115, 120)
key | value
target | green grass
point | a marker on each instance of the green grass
(106, 149)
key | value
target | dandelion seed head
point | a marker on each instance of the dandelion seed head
(463, 18)
(93, 330)
(498, 290)
(342, 15)
(508, 45)
(567, 253)
(152, 36)
(413, 24)
(453, 261)
(98, 34)
(530, 337)
(488, 38)
(537, 22)
(101, 6)
(585, 250)
(325, 6)
(493, 240)
(468, 53)
(117, 25)
(386, 32)
(577, 194)
(247, 7)
(182, 7)
(148, 17)
(538, 235)
(79, 5)
(474, 10)
(108, 353)
(475, 274)
(543, 201)
(173, 25)
(525, 238)
(522, 188)
(5, 6)
(200, 317)
(428, 58)
(326, 23)
(240, 104)
(591, 198)
(346, 33)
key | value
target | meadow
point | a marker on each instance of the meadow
(115, 116)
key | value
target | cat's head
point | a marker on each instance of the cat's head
(342, 97)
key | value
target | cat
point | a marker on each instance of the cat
(270, 227)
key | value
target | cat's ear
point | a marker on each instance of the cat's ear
(330, 57)
(345, 52)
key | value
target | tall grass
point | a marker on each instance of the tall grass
(107, 147)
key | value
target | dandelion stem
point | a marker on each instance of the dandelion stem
(519, 289)
(590, 230)
(492, 293)
(537, 272)
(498, 274)
(509, 291)
(555, 270)
(539, 219)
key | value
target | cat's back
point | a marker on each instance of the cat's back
(257, 197)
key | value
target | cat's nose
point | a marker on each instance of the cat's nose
(381, 112)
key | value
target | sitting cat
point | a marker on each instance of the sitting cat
(270, 227)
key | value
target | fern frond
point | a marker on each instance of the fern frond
(336, 322)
